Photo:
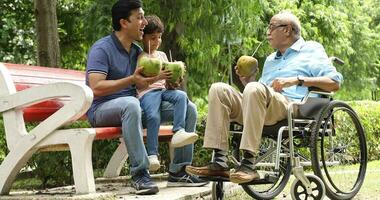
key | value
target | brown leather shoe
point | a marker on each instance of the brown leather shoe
(206, 171)
(243, 175)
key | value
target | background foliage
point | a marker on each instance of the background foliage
(208, 35)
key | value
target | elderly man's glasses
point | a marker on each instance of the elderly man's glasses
(273, 27)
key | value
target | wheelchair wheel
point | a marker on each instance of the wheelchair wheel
(272, 184)
(339, 151)
(298, 190)
(217, 191)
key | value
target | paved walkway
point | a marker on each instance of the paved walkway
(118, 188)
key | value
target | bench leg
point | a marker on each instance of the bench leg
(11, 166)
(81, 152)
(117, 161)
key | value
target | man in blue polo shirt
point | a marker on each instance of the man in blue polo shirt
(287, 74)
(113, 76)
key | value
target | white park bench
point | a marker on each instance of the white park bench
(54, 97)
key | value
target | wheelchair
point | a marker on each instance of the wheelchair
(320, 134)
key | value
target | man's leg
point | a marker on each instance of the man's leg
(261, 105)
(224, 106)
(150, 105)
(126, 111)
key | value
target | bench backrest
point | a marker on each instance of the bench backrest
(24, 76)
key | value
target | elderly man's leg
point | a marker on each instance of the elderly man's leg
(261, 105)
(224, 106)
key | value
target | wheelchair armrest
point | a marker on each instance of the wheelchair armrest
(316, 90)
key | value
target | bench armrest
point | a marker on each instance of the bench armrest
(80, 100)
(42, 93)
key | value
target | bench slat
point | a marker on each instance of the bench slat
(106, 133)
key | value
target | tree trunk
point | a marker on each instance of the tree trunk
(47, 33)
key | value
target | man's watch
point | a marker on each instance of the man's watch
(301, 81)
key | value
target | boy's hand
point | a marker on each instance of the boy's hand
(164, 74)
(173, 86)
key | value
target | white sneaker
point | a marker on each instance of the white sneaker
(182, 138)
(154, 163)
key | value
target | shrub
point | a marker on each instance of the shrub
(369, 114)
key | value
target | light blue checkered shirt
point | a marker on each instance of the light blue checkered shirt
(307, 59)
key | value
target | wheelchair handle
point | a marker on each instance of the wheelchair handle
(336, 60)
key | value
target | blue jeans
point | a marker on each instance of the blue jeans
(126, 112)
(151, 105)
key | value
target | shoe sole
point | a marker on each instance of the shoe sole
(203, 174)
(189, 140)
(182, 184)
(239, 180)
(147, 191)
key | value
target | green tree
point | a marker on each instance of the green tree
(17, 32)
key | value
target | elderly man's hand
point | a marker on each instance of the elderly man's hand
(279, 83)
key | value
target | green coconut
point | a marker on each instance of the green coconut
(247, 65)
(177, 68)
(152, 66)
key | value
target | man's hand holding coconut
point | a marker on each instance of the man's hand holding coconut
(247, 69)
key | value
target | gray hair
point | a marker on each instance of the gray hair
(289, 18)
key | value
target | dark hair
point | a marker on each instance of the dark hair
(122, 10)
(154, 25)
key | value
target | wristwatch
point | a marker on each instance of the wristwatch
(300, 80)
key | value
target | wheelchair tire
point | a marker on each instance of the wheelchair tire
(270, 190)
(298, 190)
(339, 151)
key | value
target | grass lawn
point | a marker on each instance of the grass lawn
(369, 190)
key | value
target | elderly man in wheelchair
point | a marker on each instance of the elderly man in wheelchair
(274, 109)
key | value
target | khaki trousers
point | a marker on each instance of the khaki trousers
(256, 107)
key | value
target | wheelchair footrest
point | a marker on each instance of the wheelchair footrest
(268, 179)
(215, 178)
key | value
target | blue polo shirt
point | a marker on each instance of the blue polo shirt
(307, 59)
(108, 56)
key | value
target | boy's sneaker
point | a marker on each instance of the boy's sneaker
(143, 183)
(182, 138)
(183, 179)
(154, 163)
